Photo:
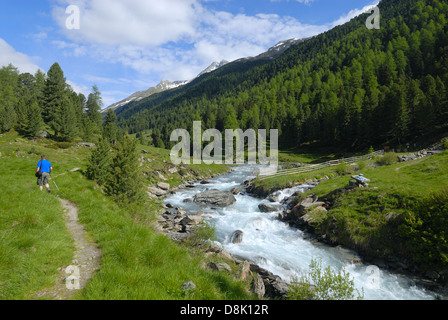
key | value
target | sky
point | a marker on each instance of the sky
(124, 46)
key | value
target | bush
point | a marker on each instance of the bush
(387, 159)
(324, 284)
(202, 235)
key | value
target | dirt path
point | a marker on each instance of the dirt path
(85, 262)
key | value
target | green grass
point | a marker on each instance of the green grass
(369, 219)
(33, 239)
(372, 220)
(137, 263)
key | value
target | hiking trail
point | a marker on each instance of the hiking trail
(86, 259)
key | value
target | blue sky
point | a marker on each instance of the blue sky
(124, 46)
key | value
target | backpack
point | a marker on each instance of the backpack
(39, 173)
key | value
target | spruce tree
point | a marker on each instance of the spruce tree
(34, 120)
(110, 128)
(54, 92)
(125, 180)
(100, 162)
(8, 97)
(93, 105)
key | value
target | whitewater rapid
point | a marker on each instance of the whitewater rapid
(286, 251)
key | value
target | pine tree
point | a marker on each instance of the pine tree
(125, 181)
(110, 128)
(54, 92)
(64, 120)
(99, 163)
(34, 121)
(8, 97)
(93, 105)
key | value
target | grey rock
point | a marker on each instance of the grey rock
(215, 197)
(237, 237)
(267, 207)
(157, 192)
(258, 286)
(188, 286)
(163, 186)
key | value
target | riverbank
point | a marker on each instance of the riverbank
(248, 232)
(137, 263)
(383, 221)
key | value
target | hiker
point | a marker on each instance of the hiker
(45, 168)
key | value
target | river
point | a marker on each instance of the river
(286, 251)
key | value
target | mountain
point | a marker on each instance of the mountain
(272, 53)
(276, 50)
(162, 86)
(348, 88)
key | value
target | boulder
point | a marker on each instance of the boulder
(258, 286)
(157, 192)
(163, 186)
(274, 197)
(215, 197)
(276, 287)
(267, 207)
(237, 237)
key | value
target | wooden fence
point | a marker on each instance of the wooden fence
(312, 167)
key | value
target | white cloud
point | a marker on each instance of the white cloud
(8, 55)
(175, 39)
(130, 22)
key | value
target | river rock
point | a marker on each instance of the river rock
(274, 197)
(276, 287)
(157, 192)
(267, 207)
(237, 237)
(215, 197)
(163, 186)
(258, 286)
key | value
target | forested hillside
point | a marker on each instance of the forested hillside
(350, 87)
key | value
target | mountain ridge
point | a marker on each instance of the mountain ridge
(165, 85)
(162, 86)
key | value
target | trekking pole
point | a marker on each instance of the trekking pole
(54, 182)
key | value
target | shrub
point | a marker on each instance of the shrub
(324, 284)
(387, 159)
(202, 235)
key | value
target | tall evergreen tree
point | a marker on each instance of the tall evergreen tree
(100, 160)
(125, 180)
(93, 106)
(55, 90)
(110, 128)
